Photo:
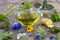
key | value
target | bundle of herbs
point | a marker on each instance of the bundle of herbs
(6, 36)
(4, 22)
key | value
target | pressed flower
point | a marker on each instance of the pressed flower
(29, 28)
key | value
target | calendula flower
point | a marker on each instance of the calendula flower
(29, 28)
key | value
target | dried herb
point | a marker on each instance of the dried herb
(55, 17)
(41, 31)
(5, 26)
(7, 36)
(54, 30)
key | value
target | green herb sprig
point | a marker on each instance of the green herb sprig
(26, 5)
(3, 17)
(4, 20)
(54, 30)
(6, 36)
(55, 17)
(45, 5)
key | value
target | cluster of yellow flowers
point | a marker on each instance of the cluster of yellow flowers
(8, 10)
(47, 22)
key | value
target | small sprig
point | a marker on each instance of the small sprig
(7, 36)
(54, 30)
(3, 18)
(45, 5)
(26, 5)
(55, 17)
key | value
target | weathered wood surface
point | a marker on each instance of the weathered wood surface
(4, 3)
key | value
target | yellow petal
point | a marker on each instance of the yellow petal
(50, 26)
(48, 22)
(29, 28)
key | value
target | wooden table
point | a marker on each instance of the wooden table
(4, 3)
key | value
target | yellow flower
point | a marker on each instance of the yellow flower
(50, 26)
(47, 22)
(29, 28)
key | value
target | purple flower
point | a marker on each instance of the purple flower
(16, 26)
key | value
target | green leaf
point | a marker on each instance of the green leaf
(4, 38)
(37, 5)
(6, 24)
(3, 17)
(40, 30)
(1, 35)
(49, 7)
(9, 35)
(27, 5)
(21, 7)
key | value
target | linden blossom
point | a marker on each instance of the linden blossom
(47, 22)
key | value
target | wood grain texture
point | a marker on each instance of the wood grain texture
(4, 3)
